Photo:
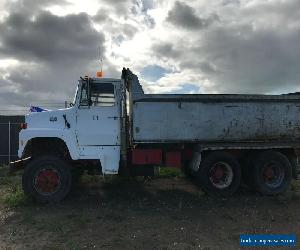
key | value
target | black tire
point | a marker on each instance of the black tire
(205, 177)
(77, 173)
(247, 166)
(294, 163)
(272, 173)
(47, 179)
(188, 172)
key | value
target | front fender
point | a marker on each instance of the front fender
(66, 135)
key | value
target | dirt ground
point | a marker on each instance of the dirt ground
(118, 213)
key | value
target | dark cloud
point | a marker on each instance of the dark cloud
(118, 29)
(31, 6)
(129, 30)
(52, 51)
(120, 7)
(182, 15)
(255, 48)
(101, 16)
(40, 82)
(140, 8)
(49, 38)
(166, 49)
(231, 2)
(287, 9)
(246, 60)
(121, 32)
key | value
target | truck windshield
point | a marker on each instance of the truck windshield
(84, 94)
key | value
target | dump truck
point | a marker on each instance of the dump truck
(219, 140)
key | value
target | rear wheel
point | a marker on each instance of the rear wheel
(272, 173)
(247, 168)
(188, 172)
(47, 179)
(219, 174)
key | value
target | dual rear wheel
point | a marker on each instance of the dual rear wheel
(268, 172)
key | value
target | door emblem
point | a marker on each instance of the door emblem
(53, 119)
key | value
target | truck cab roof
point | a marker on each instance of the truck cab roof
(98, 79)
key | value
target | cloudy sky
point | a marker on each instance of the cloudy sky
(196, 46)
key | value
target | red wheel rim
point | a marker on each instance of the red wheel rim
(47, 181)
(273, 174)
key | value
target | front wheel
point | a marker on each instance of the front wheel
(219, 174)
(47, 178)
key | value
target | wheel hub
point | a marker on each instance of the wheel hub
(47, 181)
(221, 175)
(269, 173)
(273, 175)
(218, 173)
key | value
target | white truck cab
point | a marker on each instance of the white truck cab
(90, 128)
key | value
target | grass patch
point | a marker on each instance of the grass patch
(296, 185)
(28, 217)
(4, 170)
(15, 197)
(71, 245)
(11, 193)
(90, 178)
(60, 223)
(170, 172)
(53, 225)
(7, 181)
(80, 219)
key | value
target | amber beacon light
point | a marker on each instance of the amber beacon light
(99, 73)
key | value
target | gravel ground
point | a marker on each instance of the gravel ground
(118, 213)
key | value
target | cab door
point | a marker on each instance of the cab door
(98, 118)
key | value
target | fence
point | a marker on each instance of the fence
(9, 137)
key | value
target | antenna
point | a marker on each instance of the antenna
(100, 73)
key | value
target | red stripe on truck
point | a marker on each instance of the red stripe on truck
(173, 159)
(146, 156)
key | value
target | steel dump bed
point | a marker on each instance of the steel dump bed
(215, 119)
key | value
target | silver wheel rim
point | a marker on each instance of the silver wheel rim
(221, 175)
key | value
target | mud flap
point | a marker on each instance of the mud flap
(110, 159)
(196, 159)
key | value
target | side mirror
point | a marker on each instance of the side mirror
(84, 102)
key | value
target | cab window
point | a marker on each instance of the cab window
(102, 94)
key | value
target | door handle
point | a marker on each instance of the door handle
(113, 117)
(95, 117)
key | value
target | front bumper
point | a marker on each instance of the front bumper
(18, 165)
